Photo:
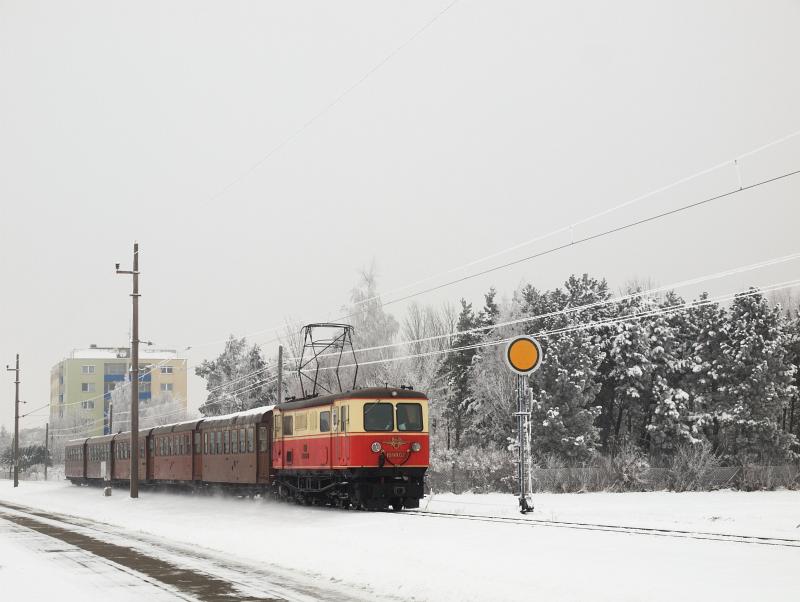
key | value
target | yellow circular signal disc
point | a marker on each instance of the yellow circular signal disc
(523, 355)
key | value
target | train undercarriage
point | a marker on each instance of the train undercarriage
(362, 489)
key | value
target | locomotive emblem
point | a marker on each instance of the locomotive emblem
(395, 443)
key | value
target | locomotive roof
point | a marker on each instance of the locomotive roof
(369, 393)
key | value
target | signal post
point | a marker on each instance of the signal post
(523, 357)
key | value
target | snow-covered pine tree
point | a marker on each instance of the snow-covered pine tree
(756, 383)
(791, 414)
(238, 379)
(454, 373)
(563, 413)
(372, 327)
(627, 376)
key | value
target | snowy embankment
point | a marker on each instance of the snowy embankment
(412, 557)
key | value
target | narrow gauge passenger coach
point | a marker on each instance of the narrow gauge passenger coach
(366, 448)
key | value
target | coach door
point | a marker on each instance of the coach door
(197, 458)
(263, 451)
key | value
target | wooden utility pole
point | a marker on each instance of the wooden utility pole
(46, 446)
(134, 373)
(280, 374)
(16, 421)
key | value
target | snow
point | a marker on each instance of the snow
(409, 556)
(71, 574)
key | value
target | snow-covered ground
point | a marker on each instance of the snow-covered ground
(411, 557)
(36, 567)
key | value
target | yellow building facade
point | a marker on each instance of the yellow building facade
(86, 386)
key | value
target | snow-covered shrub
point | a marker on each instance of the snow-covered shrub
(626, 470)
(471, 469)
(691, 465)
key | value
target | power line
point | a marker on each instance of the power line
(735, 162)
(595, 324)
(580, 308)
(589, 238)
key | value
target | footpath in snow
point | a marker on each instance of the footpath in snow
(411, 557)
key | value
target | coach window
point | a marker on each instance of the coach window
(288, 423)
(235, 441)
(141, 451)
(227, 442)
(343, 419)
(182, 444)
(250, 442)
(378, 417)
(324, 422)
(205, 442)
(262, 438)
(188, 439)
(241, 441)
(197, 443)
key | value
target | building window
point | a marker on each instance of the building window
(60, 398)
(88, 405)
(166, 387)
(87, 369)
(166, 369)
(115, 369)
(87, 387)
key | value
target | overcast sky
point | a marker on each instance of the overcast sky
(497, 122)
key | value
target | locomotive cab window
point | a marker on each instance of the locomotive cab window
(288, 423)
(409, 417)
(378, 417)
(324, 422)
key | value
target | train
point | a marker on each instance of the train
(365, 449)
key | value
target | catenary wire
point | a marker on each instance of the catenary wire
(566, 228)
(579, 308)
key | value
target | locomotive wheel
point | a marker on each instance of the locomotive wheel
(396, 504)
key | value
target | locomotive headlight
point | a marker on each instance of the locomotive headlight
(416, 446)
(376, 447)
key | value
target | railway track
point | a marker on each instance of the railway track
(629, 530)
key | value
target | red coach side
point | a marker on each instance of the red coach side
(121, 470)
(236, 447)
(174, 458)
(75, 460)
(98, 450)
